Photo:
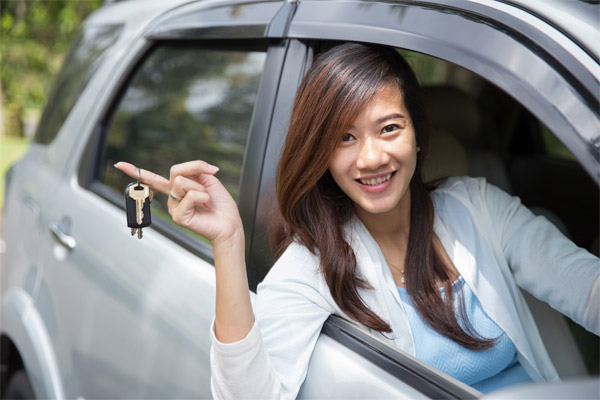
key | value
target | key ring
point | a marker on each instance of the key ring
(139, 181)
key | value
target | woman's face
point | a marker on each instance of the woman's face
(377, 156)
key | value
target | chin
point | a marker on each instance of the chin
(377, 208)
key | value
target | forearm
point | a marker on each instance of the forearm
(233, 310)
(544, 262)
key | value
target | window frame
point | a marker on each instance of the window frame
(406, 369)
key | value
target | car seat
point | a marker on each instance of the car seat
(453, 111)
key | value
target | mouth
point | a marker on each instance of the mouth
(378, 180)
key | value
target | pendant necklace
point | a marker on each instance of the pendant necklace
(402, 280)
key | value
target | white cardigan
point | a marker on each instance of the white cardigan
(496, 244)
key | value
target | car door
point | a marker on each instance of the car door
(486, 40)
(130, 318)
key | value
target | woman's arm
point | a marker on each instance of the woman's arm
(205, 207)
(272, 361)
(264, 359)
(545, 262)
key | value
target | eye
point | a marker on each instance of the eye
(348, 137)
(390, 128)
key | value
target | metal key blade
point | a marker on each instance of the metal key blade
(139, 193)
(139, 208)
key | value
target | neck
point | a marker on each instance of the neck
(389, 227)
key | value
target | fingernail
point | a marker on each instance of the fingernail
(213, 168)
(115, 164)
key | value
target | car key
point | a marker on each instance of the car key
(137, 204)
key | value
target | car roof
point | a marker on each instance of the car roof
(578, 19)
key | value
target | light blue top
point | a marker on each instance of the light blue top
(485, 370)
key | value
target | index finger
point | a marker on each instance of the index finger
(156, 181)
(193, 168)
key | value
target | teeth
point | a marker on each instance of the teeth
(378, 181)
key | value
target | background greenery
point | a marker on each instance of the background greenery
(34, 38)
(35, 35)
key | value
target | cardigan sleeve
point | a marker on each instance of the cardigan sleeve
(272, 361)
(543, 261)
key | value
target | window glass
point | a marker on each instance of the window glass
(84, 58)
(184, 103)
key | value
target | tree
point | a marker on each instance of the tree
(35, 36)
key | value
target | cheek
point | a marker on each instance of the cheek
(340, 166)
(407, 151)
(404, 152)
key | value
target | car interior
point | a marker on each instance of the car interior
(480, 131)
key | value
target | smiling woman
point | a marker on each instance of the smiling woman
(358, 234)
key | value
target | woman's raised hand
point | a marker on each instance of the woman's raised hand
(199, 202)
(197, 199)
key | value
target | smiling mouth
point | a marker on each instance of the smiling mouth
(376, 181)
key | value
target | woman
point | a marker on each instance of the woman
(359, 235)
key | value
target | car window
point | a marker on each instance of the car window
(84, 58)
(185, 102)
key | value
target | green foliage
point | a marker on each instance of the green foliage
(35, 36)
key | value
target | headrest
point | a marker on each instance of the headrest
(445, 157)
(452, 110)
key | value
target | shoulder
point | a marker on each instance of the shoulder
(460, 185)
(295, 282)
(462, 188)
(296, 264)
(467, 190)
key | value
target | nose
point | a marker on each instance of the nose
(371, 154)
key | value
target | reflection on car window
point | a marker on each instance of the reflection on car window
(185, 103)
(84, 58)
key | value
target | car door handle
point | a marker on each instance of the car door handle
(62, 238)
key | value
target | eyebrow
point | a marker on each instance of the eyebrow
(386, 118)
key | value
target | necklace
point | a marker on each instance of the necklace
(402, 280)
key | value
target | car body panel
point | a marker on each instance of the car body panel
(24, 324)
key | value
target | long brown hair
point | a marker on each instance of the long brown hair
(313, 209)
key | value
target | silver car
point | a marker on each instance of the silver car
(88, 311)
